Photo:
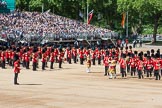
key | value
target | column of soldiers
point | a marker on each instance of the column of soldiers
(133, 63)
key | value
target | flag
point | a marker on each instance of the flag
(81, 14)
(90, 15)
(123, 20)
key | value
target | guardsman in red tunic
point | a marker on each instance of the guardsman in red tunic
(60, 57)
(35, 58)
(140, 67)
(52, 58)
(69, 55)
(132, 65)
(156, 68)
(27, 58)
(149, 65)
(99, 57)
(123, 65)
(81, 56)
(44, 59)
(93, 57)
(16, 68)
(74, 55)
(7, 55)
(106, 63)
(3, 58)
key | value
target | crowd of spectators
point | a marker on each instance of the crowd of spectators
(33, 25)
(3, 4)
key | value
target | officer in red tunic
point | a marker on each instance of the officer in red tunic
(156, 68)
(16, 68)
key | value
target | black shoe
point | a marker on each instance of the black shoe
(105, 74)
(16, 83)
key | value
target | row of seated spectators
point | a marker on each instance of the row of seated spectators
(36, 25)
(3, 4)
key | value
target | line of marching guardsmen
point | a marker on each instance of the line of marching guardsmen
(135, 63)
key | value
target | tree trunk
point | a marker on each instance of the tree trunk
(156, 20)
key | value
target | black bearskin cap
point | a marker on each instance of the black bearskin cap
(130, 47)
(152, 51)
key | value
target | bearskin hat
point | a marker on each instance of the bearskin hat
(135, 52)
(145, 55)
(139, 54)
(124, 55)
(152, 51)
(148, 53)
(126, 47)
(44, 50)
(16, 57)
(158, 51)
(0, 47)
(152, 55)
(121, 48)
(107, 53)
(113, 53)
(149, 57)
(17, 49)
(130, 47)
(129, 54)
(157, 55)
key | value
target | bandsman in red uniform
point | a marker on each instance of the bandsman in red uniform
(88, 64)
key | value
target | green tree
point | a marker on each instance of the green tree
(152, 9)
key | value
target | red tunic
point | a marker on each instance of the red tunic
(122, 63)
(106, 61)
(156, 65)
(139, 65)
(16, 67)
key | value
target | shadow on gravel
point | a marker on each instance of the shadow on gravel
(30, 84)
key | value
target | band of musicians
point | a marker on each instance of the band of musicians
(132, 63)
